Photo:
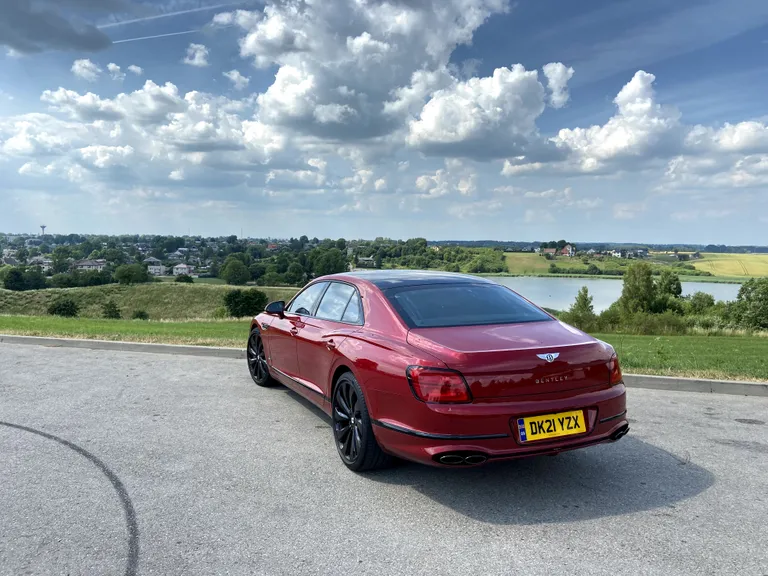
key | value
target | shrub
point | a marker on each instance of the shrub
(64, 306)
(14, 280)
(242, 303)
(184, 278)
(220, 312)
(111, 310)
(81, 278)
(700, 302)
(751, 307)
(132, 274)
(140, 315)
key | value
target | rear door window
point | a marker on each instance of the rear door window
(335, 301)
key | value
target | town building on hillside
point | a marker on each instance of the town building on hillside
(180, 269)
(568, 250)
(45, 264)
(9, 261)
(97, 265)
(366, 262)
(552, 251)
(155, 267)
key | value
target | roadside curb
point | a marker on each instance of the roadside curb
(670, 383)
(679, 384)
(174, 349)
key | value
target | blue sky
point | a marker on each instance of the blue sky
(450, 119)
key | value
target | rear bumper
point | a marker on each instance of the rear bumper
(488, 429)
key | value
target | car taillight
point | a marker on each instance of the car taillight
(441, 386)
(615, 370)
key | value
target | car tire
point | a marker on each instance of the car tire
(257, 361)
(352, 428)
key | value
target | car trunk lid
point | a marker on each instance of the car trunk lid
(506, 360)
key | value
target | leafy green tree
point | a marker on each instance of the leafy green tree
(378, 260)
(257, 270)
(669, 284)
(235, 272)
(22, 254)
(271, 278)
(700, 302)
(60, 259)
(639, 292)
(14, 280)
(34, 279)
(329, 262)
(294, 274)
(184, 279)
(132, 274)
(582, 313)
(115, 256)
(750, 309)
(341, 244)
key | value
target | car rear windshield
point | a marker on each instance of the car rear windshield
(439, 305)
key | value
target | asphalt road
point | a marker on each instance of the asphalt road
(151, 464)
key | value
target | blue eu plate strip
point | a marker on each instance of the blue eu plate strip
(521, 428)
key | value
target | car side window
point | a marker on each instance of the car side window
(305, 302)
(353, 314)
(335, 301)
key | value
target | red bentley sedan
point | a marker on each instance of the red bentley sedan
(439, 368)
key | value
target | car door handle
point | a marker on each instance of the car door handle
(294, 331)
(265, 326)
(330, 344)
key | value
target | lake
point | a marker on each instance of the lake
(559, 293)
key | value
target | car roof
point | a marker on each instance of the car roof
(384, 279)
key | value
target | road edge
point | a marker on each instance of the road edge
(672, 383)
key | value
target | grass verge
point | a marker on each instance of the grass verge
(161, 300)
(693, 356)
(717, 357)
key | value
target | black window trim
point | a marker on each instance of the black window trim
(320, 299)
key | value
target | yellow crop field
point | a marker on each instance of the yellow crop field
(733, 264)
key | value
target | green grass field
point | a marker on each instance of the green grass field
(719, 357)
(733, 265)
(161, 300)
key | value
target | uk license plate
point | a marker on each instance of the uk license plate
(551, 425)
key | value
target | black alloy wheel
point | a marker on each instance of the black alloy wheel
(352, 429)
(257, 360)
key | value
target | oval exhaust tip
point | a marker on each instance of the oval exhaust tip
(475, 459)
(451, 459)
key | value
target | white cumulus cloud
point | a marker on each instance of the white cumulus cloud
(197, 55)
(239, 82)
(115, 73)
(86, 70)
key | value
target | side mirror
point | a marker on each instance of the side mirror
(277, 308)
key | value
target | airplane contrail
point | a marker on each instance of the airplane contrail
(168, 15)
(155, 36)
